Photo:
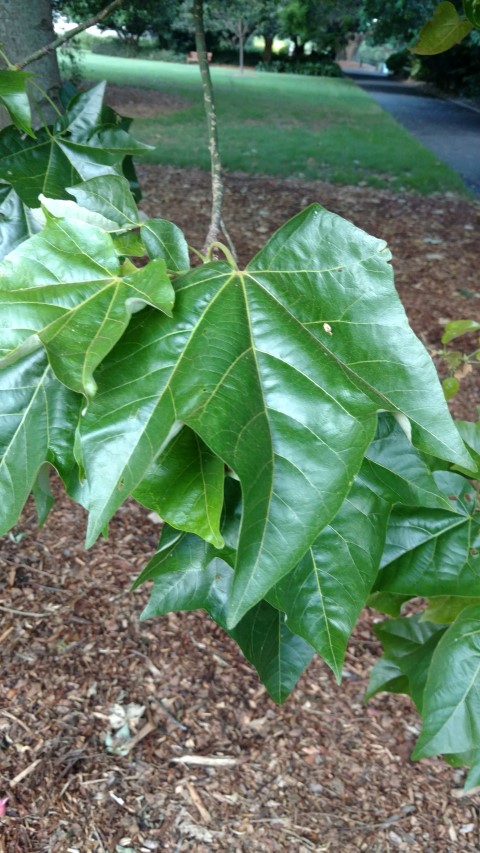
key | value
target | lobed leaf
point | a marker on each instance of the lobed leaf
(77, 148)
(288, 402)
(430, 552)
(63, 288)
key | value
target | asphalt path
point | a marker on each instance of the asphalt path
(450, 130)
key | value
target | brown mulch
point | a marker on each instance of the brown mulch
(323, 773)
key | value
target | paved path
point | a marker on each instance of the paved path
(451, 131)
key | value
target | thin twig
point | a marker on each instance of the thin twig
(209, 103)
(90, 22)
(24, 773)
(206, 760)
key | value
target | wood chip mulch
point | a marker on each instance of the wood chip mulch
(210, 763)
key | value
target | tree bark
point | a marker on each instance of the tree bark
(268, 49)
(26, 26)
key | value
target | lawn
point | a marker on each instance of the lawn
(282, 125)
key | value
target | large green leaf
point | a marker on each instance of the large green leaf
(430, 552)
(451, 709)
(14, 97)
(325, 593)
(396, 471)
(409, 644)
(189, 574)
(280, 369)
(442, 31)
(185, 487)
(63, 288)
(39, 417)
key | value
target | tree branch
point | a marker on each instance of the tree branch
(112, 7)
(208, 100)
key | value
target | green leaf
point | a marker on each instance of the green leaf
(278, 655)
(386, 677)
(470, 432)
(471, 758)
(34, 166)
(63, 289)
(451, 722)
(129, 244)
(387, 602)
(14, 97)
(185, 487)
(473, 777)
(42, 494)
(457, 328)
(472, 11)
(17, 222)
(280, 370)
(409, 644)
(59, 158)
(39, 417)
(109, 197)
(189, 574)
(442, 31)
(325, 593)
(395, 470)
(84, 110)
(444, 609)
(164, 240)
(431, 552)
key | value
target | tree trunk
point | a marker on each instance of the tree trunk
(268, 49)
(26, 26)
(240, 51)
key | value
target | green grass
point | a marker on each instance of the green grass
(282, 125)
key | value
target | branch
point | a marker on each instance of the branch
(208, 100)
(38, 54)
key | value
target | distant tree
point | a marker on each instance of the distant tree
(398, 21)
(330, 25)
(130, 22)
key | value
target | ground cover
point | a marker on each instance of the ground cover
(284, 125)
